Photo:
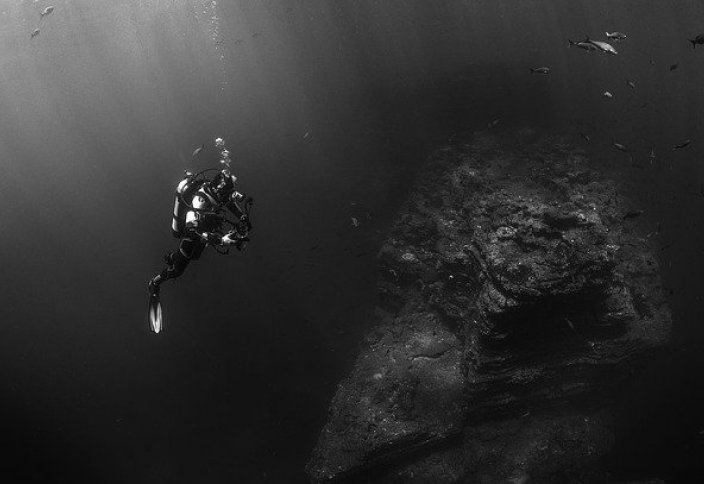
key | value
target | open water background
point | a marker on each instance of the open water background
(329, 109)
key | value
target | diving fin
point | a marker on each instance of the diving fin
(156, 319)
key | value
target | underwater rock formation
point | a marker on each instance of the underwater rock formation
(514, 298)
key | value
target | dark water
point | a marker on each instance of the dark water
(329, 109)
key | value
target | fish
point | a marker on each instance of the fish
(198, 150)
(34, 33)
(355, 222)
(684, 144)
(631, 84)
(46, 11)
(582, 45)
(698, 40)
(540, 70)
(616, 36)
(494, 123)
(651, 156)
(608, 94)
(602, 46)
(619, 146)
(632, 214)
(644, 105)
(674, 66)
(570, 324)
(586, 137)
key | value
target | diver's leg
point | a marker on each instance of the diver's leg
(156, 281)
(178, 265)
(189, 249)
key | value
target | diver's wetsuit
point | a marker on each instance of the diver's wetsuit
(190, 248)
(205, 219)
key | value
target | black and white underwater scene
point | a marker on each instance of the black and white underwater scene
(352, 241)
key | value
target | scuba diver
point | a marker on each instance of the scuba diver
(201, 219)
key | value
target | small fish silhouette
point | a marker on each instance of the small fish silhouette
(616, 36)
(46, 11)
(619, 146)
(582, 45)
(602, 46)
(632, 214)
(198, 150)
(698, 40)
(681, 145)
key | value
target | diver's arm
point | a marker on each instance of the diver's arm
(239, 234)
(244, 225)
(233, 205)
(234, 237)
(211, 238)
(193, 228)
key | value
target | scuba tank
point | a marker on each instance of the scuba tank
(183, 199)
(185, 191)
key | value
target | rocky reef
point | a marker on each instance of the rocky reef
(517, 291)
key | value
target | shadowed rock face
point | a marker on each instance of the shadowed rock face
(405, 392)
(513, 298)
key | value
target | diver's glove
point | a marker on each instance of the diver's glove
(210, 238)
(235, 237)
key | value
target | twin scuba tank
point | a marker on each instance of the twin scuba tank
(183, 202)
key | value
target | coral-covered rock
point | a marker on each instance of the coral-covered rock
(511, 285)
